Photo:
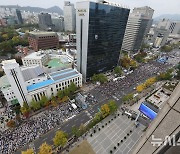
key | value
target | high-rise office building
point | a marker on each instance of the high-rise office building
(19, 16)
(45, 21)
(69, 16)
(172, 26)
(58, 23)
(100, 29)
(138, 25)
(163, 135)
(160, 37)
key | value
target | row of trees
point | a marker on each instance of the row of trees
(146, 84)
(44, 149)
(61, 138)
(105, 110)
(62, 96)
(99, 78)
(162, 76)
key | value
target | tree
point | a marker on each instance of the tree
(98, 117)
(166, 48)
(112, 106)
(75, 131)
(45, 149)
(25, 108)
(128, 97)
(150, 81)
(99, 78)
(5, 36)
(125, 62)
(140, 87)
(44, 100)
(105, 110)
(35, 105)
(66, 92)
(11, 123)
(72, 88)
(118, 70)
(28, 151)
(60, 94)
(60, 138)
(82, 129)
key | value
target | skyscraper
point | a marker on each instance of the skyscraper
(100, 28)
(45, 21)
(19, 16)
(69, 16)
(138, 25)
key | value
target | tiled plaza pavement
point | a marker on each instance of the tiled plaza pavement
(107, 138)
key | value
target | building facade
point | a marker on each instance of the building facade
(45, 21)
(138, 25)
(160, 37)
(35, 58)
(43, 40)
(58, 23)
(32, 83)
(99, 34)
(172, 26)
(69, 16)
(19, 16)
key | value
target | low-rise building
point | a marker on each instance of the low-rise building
(36, 58)
(43, 40)
(27, 83)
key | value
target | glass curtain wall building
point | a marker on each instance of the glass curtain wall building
(100, 31)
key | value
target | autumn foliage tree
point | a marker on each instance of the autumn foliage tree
(28, 151)
(105, 110)
(60, 138)
(11, 123)
(45, 149)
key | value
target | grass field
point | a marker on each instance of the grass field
(83, 148)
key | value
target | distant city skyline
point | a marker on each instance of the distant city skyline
(160, 6)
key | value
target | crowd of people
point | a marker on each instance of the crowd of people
(12, 140)
(34, 127)
(115, 88)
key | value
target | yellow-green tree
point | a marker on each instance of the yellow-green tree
(140, 87)
(150, 81)
(28, 151)
(5, 36)
(60, 138)
(112, 106)
(105, 110)
(45, 149)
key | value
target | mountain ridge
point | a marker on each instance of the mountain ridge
(168, 16)
(53, 9)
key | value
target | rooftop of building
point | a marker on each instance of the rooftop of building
(42, 33)
(53, 78)
(35, 55)
(32, 72)
(106, 2)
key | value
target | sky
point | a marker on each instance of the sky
(160, 6)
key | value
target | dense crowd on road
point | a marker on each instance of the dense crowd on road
(145, 71)
(34, 127)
